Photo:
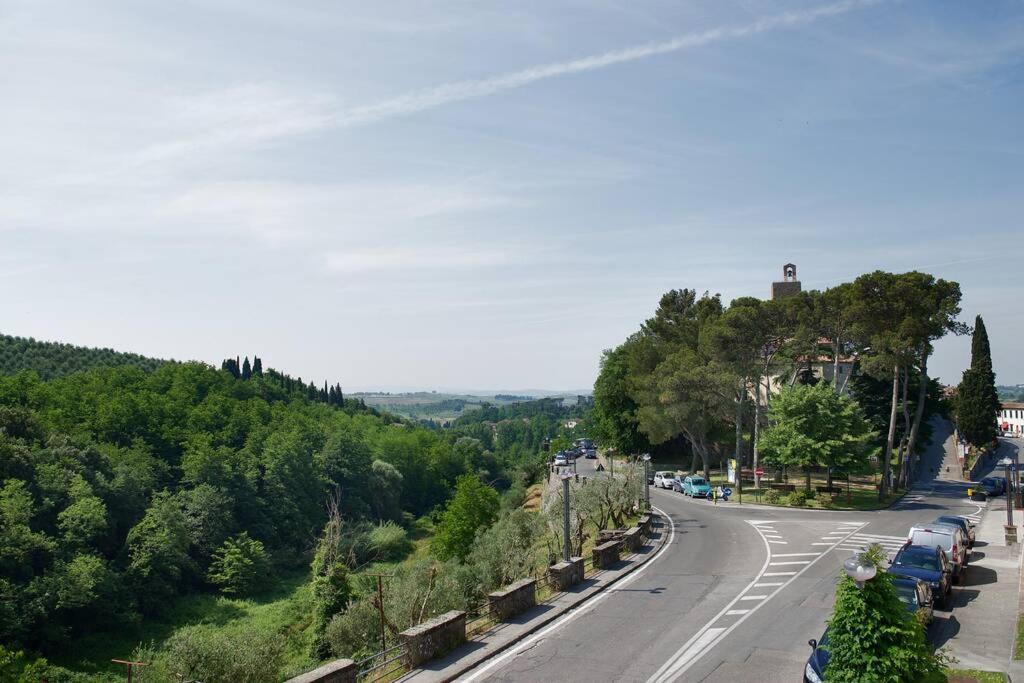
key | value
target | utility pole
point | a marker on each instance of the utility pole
(380, 608)
(647, 480)
(130, 666)
(566, 547)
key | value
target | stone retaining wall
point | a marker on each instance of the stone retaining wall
(434, 637)
(645, 524)
(633, 539)
(565, 575)
(338, 671)
(512, 600)
(606, 554)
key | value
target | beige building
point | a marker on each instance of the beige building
(1011, 419)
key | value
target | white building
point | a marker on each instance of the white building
(1011, 418)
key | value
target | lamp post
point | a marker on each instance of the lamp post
(647, 480)
(1010, 528)
(859, 570)
(566, 548)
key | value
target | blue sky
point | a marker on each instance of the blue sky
(482, 195)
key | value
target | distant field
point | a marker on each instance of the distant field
(436, 406)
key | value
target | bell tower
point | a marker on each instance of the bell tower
(789, 284)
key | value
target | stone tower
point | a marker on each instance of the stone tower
(789, 285)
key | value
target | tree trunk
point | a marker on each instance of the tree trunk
(883, 488)
(741, 397)
(904, 453)
(922, 396)
(835, 367)
(757, 431)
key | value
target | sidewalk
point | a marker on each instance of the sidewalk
(506, 634)
(982, 629)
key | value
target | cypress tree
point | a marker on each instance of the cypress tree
(341, 397)
(257, 366)
(246, 369)
(977, 401)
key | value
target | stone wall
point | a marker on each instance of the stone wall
(338, 671)
(606, 554)
(645, 525)
(433, 638)
(512, 600)
(565, 575)
(633, 539)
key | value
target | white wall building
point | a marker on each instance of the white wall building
(1011, 418)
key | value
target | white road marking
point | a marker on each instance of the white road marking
(821, 544)
(688, 654)
(780, 564)
(734, 612)
(795, 554)
(767, 585)
(753, 597)
(778, 542)
(586, 607)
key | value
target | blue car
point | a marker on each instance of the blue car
(913, 593)
(696, 487)
(927, 564)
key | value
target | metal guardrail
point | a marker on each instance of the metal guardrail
(384, 665)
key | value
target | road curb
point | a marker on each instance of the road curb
(549, 618)
(766, 506)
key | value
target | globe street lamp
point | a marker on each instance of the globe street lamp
(647, 480)
(1010, 529)
(566, 548)
(860, 570)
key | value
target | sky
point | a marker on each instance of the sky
(472, 194)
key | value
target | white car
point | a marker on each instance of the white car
(663, 480)
(560, 460)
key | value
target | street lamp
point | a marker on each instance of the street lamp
(860, 570)
(566, 548)
(1011, 529)
(647, 480)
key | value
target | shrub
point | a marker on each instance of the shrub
(389, 542)
(239, 566)
(212, 653)
(772, 497)
(797, 499)
(826, 500)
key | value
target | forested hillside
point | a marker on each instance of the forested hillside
(53, 359)
(121, 490)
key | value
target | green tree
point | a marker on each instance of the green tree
(331, 589)
(872, 637)
(158, 560)
(473, 507)
(614, 407)
(977, 400)
(812, 425)
(240, 566)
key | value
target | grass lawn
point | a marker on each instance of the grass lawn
(1018, 650)
(975, 676)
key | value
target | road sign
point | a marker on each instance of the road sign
(759, 471)
(727, 492)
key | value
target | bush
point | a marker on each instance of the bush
(389, 542)
(826, 500)
(239, 566)
(212, 653)
(772, 497)
(797, 499)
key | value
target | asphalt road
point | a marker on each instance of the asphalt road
(735, 597)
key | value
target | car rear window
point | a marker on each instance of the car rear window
(918, 559)
(697, 481)
(930, 539)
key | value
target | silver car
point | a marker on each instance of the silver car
(949, 537)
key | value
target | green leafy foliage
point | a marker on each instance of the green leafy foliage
(872, 637)
(797, 499)
(977, 400)
(240, 566)
(473, 507)
(53, 359)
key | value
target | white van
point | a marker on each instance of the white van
(948, 537)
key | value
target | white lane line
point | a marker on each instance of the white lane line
(821, 544)
(770, 584)
(833, 537)
(586, 607)
(687, 656)
(734, 612)
(753, 597)
(779, 542)
(780, 564)
(796, 554)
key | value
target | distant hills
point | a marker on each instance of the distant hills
(54, 359)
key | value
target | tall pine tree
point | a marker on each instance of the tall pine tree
(977, 400)
(246, 369)
(257, 366)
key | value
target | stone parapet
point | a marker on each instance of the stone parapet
(606, 554)
(433, 637)
(565, 575)
(512, 600)
(633, 539)
(338, 671)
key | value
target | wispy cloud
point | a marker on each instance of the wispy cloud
(458, 91)
(417, 258)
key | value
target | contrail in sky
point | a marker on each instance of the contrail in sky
(428, 98)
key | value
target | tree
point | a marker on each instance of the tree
(473, 507)
(246, 369)
(257, 366)
(331, 589)
(977, 400)
(158, 559)
(813, 425)
(240, 566)
(614, 407)
(872, 637)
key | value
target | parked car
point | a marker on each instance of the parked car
(677, 484)
(948, 537)
(663, 480)
(591, 454)
(916, 596)
(696, 487)
(913, 593)
(928, 563)
(961, 522)
(993, 486)
(560, 459)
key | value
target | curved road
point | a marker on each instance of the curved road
(734, 597)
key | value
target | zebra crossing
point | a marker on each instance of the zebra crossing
(912, 498)
(861, 541)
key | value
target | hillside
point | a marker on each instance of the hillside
(54, 359)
